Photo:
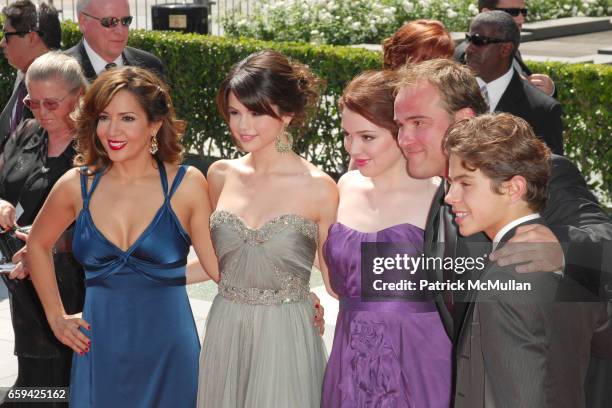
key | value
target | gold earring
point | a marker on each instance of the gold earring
(153, 148)
(284, 147)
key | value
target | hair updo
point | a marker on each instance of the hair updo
(417, 41)
(268, 79)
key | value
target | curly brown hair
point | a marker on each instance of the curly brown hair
(153, 97)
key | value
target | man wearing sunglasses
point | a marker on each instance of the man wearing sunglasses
(492, 42)
(105, 27)
(28, 33)
(518, 11)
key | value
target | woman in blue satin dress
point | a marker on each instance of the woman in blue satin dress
(136, 212)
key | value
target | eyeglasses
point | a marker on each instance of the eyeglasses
(49, 103)
(110, 22)
(514, 12)
(480, 40)
(7, 34)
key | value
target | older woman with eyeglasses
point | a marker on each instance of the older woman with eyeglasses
(38, 153)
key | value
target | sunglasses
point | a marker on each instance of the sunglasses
(49, 103)
(7, 34)
(480, 40)
(514, 12)
(110, 22)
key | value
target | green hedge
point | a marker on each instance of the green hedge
(196, 65)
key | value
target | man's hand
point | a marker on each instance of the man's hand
(319, 316)
(543, 82)
(543, 254)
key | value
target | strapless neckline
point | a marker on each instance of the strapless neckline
(307, 227)
(377, 231)
(274, 220)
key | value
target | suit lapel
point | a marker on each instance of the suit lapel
(7, 113)
(512, 95)
(88, 69)
(129, 58)
(472, 295)
(434, 249)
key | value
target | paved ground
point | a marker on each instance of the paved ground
(572, 46)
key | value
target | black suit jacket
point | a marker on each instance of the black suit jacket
(574, 216)
(131, 56)
(541, 111)
(5, 116)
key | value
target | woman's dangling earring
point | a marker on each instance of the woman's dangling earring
(284, 147)
(153, 148)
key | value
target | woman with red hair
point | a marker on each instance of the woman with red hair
(417, 41)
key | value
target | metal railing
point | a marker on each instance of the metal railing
(141, 10)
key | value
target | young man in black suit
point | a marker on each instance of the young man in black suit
(29, 32)
(431, 96)
(517, 345)
(493, 41)
(105, 28)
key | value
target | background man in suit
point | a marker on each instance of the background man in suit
(518, 11)
(516, 347)
(431, 96)
(493, 41)
(28, 33)
(105, 28)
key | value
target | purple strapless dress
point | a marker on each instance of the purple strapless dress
(392, 354)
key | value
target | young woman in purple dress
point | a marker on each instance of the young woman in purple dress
(386, 353)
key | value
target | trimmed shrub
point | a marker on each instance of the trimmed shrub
(197, 64)
(343, 22)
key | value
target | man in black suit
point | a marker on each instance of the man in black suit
(518, 11)
(493, 40)
(28, 33)
(431, 96)
(105, 28)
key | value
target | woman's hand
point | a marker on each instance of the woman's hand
(7, 215)
(66, 329)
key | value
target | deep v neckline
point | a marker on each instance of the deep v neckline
(167, 194)
(140, 237)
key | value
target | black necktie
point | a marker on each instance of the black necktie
(18, 114)
(110, 65)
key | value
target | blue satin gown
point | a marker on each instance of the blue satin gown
(144, 343)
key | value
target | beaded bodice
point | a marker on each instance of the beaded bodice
(267, 265)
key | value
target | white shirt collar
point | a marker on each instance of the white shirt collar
(97, 62)
(500, 234)
(497, 87)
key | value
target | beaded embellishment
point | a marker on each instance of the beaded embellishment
(307, 227)
(292, 288)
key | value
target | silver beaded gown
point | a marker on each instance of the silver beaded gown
(260, 348)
